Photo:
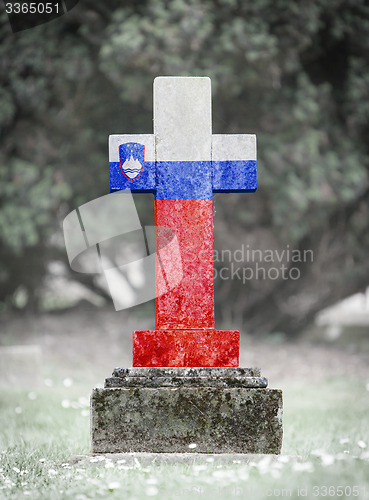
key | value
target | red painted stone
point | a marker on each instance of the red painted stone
(185, 334)
(190, 305)
(185, 348)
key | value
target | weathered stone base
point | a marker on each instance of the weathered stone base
(126, 416)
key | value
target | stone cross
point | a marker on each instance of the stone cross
(183, 164)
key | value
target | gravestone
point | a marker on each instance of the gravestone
(185, 391)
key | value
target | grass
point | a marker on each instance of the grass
(325, 451)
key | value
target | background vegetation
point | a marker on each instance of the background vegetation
(294, 73)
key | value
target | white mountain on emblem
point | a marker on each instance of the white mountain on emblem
(132, 168)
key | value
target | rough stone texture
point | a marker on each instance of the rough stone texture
(217, 420)
(145, 182)
(191, 304)
(234, 163)
(183, 157)
(233, 147)
(141, 371)
(184, 164)
(182, 118)
(164, 410)
(189, 377)
(252, 382)
(180, 348)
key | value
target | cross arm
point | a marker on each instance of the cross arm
(145, 182)
(234, 163)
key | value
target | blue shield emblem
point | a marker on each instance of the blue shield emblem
(132, 159)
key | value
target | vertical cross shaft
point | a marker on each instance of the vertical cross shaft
(182, 129)
(184, 164)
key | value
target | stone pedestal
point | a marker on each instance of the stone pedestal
(183, 348)
(165, 410)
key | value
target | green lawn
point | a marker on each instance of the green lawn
(325, 451)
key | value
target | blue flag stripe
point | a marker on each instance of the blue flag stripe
(188, 180)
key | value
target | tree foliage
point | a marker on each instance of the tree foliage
(294, 73)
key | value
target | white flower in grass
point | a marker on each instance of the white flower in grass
(318, 453)
(192, 446)
(52, 472)
(277, 465)
(15, 469)
(42, 460)
(67, 382)
(220, 474)
(275, 473)
(85, 413)
(341, 456)
(199, 467)
(109, 465)
(152, 491)
(114, 485)
(264, 464)
(243, 474)
(121, 461)
(124, 467)
(84, 402)
(65, 403)
(18, 410)
(303, 467)
(361, 444)
(8, 483)
(344, 440)
(327, 460)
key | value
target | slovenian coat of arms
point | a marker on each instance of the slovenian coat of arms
(132, 159)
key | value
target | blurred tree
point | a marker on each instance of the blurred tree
(296, 74)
